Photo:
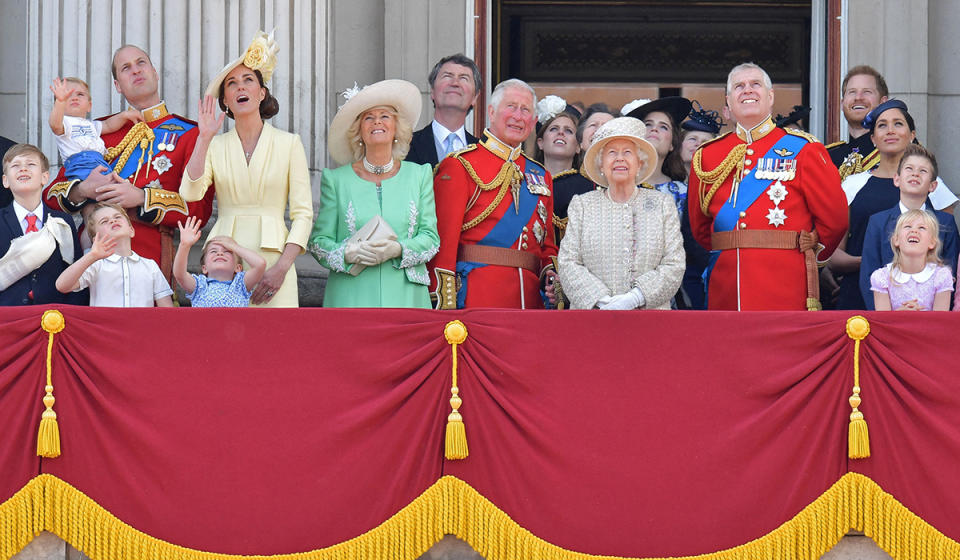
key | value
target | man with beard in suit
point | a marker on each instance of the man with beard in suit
(454, 83)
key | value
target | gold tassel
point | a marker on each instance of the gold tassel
(858, 437)
(48, 438)
(455, 442)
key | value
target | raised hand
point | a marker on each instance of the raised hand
(103, 246)
(189, 232)
(133, 115)
(62, 89)
(208, 122)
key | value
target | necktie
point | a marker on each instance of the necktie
(451, 143)
(31, 223)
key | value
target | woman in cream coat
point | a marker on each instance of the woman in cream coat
(258, 171)
(623, 248)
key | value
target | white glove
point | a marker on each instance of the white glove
(359, 252)
(385, 249)
(625, 301)
(601, 302)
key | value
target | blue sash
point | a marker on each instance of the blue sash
(750, 189)
(170, 126)
(506, 231)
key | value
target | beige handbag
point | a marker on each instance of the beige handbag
(376, 229)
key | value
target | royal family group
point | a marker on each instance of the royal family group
(644, 207)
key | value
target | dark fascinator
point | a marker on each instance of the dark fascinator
(799, 113)
(702, 120)
(870, 120)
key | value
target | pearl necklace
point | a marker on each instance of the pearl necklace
(378, 169)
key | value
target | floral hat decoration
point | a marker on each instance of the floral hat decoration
(628, 128)
(260, 55)
(551, 106)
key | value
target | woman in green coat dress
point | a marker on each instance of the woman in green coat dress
(376, 212)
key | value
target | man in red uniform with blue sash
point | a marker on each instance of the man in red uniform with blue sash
(494, 212)
(147, 167)
(760, 199)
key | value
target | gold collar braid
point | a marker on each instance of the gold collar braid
(139, 135)
(716, 176)
(508, 177)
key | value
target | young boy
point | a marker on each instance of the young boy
(78, 139)
(37, 243)
(223, 283)
(117, 276)
(916, 178)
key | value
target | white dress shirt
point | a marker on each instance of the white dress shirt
(124, 282)
(22, 212)
(440, 134)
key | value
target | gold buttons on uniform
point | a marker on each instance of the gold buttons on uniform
(747, 162)
(749, 151)
(743, 226)
(743, 214)
(524, 246)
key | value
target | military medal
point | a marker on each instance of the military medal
(172, 142)
(776, 217)
(162, 164)
(777, 192)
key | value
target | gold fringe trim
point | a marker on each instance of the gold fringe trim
(48, 436)
(451, 506)
(455, 441)
(715, 178)
(858, 437)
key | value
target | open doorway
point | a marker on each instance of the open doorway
(616, 51)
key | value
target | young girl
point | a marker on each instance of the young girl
(223, 283)
(915, 280)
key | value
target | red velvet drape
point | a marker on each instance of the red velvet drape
(623, 433)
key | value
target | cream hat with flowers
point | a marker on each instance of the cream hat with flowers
(260, 55)
(399, 94)
(627, 128)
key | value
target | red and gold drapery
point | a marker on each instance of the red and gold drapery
(320, 433)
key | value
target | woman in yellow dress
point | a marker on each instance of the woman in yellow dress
(258, 171)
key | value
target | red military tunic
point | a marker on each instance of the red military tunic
(759, 279)
(468, 214)
(157, 174)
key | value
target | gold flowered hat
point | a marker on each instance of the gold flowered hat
(260, 55)
(627, 128)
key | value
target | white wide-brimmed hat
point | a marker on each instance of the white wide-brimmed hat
(627, 128)
(399, 94)
(260, 55)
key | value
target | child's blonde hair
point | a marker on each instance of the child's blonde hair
(92, 224)
(78, 81)
(932, 226)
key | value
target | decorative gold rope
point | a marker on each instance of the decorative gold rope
(716, 176)
(455, 441)
(48, 437)
(451, 506)
(858, 437)
(509, 175)
(139, 134)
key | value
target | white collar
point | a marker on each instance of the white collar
(902, 277)
(22, 212)
(441, 133)
(926, 206)
(116, 258)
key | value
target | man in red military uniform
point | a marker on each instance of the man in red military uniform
(148, 165)
(760, 198)
(494, 210)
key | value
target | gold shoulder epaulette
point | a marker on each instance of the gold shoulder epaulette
(533, 160)
(565, 173)
(712, 140)
(646, 186)
(467, 148)
(59, 190)
(802, 134)
(834, 145)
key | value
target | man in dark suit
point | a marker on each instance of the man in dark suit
(454, 83)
